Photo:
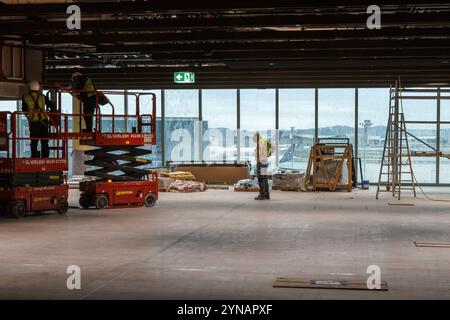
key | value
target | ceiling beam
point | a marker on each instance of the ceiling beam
(296, 20)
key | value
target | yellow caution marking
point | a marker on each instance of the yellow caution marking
(141, 160)
(122, 193)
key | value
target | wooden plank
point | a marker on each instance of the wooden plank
(432, 244)
(350, 284)
(246, 189)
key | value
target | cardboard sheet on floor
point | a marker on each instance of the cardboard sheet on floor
(432, 244)
(317, 283)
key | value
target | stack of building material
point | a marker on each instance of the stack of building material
(186, 186)
(332, 166)
(289, 181)
(329, 165)
(178, 175)
(217, 173)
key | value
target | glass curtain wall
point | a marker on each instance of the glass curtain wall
(373, 111)
(296, 127)
(421, 111)
(216, 137)
(337, 114)
(181, 125)
(219, 115)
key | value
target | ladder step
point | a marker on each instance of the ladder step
(390, 164)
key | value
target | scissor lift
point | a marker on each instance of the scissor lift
(119, 179)
(32, 184)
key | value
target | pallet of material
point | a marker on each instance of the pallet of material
(177, 175)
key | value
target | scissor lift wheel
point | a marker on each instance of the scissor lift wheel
(63, 206)
(150, 200)
(85, 201)
(18, 209)
(101, 201)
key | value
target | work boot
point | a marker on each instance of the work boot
(267, 197)
(260, 197)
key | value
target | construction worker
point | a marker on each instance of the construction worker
(34, 103)
(263, 151)
(87, 97)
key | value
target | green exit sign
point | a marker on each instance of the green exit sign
(184, 77)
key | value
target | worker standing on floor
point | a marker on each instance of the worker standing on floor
(87, 96)
(262, 153)
(34, 103)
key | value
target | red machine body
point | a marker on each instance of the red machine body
(21, 200)
(32, 184)
(101, 194)
(136, 187)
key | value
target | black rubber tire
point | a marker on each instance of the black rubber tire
(85, 201)
(101, 201)
(150, 200)
(18, 210)
(63, 206)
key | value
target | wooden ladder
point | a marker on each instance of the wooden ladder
(396, 172)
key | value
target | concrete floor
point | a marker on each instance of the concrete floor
(224, 245)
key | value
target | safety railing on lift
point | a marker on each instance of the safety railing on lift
(13, 133)
(142, 121)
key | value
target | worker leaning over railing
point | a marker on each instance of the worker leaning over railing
(34, 103)
(87, 97)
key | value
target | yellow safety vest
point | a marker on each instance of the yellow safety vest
(89, 86)
(36, 103)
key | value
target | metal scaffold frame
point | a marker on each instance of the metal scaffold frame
(396, 151)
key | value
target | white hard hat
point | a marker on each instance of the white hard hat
(74, 75)
(34, 85)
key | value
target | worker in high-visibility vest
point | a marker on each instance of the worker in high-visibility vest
(263, 151)
(34, 103)
(87, 97)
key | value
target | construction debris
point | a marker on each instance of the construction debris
(186, 186)
(247, 185)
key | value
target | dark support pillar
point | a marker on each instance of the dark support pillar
(163, 131)
(438, 134)
(238, 106)
(355, 150)
(316, 116)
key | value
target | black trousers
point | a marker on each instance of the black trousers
(38, 130)
(263, 180)
(88, 110)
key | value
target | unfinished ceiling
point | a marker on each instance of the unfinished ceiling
(238, 43)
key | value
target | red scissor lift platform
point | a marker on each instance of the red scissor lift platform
(118, 157)
(32, 184)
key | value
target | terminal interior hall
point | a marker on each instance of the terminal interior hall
(224, 150)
